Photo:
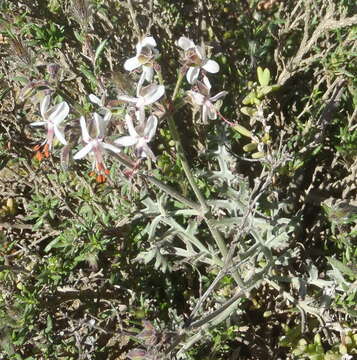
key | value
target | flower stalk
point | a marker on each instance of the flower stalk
(205, 211)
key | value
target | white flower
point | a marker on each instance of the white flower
(52, 119)
(95, 100)
(203, 99)
(195, 57)
(145, 55)
(145, 96)
(96, 145)
(141, 137)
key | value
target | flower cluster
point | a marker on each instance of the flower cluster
(197, 62)
(140, 123)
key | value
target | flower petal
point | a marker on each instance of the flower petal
(140, 115)
(100, 125)
(126, 141)
(218, 96)
(204, 114)
(200, 52)
(196, 98)
(207, 83)
(129, 99)
(154, 95)
(212, 112)
(150, 128)
(85, 134)
(149, 72)
(60, 135)
(39, 123)
(148, 41)
(44, 105)
(59, 113)
(211, 66)
(192, 74)
(84, 151)
(132, 63)
(95, 100)
(140, 83)
(131, 129)
(185, 43)
(107, 116)
(111, 147)
(145, 151)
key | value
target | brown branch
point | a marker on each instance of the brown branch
(308, 41)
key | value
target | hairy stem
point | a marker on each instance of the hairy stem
(186, 167)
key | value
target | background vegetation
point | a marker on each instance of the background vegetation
(131, 268)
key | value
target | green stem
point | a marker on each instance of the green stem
(186, 167)
(178, 84)
(168, 190)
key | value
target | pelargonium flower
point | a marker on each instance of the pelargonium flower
(96, 145)
(100, 102)
(52, 119)
(139, 137)
(195, 58)
(202, 98)
(145, 56)
(145, 96)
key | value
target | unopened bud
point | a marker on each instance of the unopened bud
(53, 70)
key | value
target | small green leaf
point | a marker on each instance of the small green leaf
(99, 50)
(49, 326)
(88, 74)
(52, 244)
(250, 147)
(249, 111)
(258, 155)
(342, 267)
(265, 90)
(242, 130)
(263, 76)
(250, 98)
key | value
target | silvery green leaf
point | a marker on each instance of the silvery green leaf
(151, 207)
(313, 273)
(187, 212)
(152, 226)
(336, 264)
(146, 256)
